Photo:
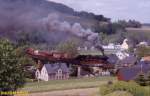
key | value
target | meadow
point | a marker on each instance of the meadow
(55, 85)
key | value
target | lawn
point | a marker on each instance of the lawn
(66, 84)
(147, 87)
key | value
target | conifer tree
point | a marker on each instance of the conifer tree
(141, 80)
(148, 79)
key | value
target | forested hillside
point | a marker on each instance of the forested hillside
(43, 22)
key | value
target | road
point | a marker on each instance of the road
(71, 92)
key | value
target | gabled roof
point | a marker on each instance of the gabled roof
(130, 73)
(53, 68)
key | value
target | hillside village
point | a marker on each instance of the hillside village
(115, 61)
(49, 48)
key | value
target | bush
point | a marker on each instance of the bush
(110, 83)
(141, 80)
(131, 87)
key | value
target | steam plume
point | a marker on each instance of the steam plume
(54, 24)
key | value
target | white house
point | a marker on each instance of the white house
(143, 43)
(111, 46)
(54, 71)
(125, 45)
(118, 47)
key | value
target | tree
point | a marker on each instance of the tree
(25, 61)
(148, 78)
(142, 51)
(29, 38)
(69, 47)
(11, 73)
(116, 38)
(137, 36)
(134, 24)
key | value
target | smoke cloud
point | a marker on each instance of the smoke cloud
(54, 24)
(39, 22)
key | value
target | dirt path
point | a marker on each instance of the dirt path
(72, 92)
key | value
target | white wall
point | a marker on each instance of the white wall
(43, 75)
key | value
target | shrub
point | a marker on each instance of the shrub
(110, 83)
(131, 87)
(141, 80)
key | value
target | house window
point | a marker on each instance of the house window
(37, 75)
(45, 72)
(59, 74)
(60, 71)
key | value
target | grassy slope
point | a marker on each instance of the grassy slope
(147, 88)
(65, 84)
(138, 29)
(137, 33)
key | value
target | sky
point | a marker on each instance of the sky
(114, 9)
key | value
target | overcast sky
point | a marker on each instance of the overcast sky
(115, 9)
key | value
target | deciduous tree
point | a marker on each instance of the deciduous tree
(11, 73)
(69, 47)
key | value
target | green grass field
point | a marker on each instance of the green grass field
(53, 85)
(147, 88)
